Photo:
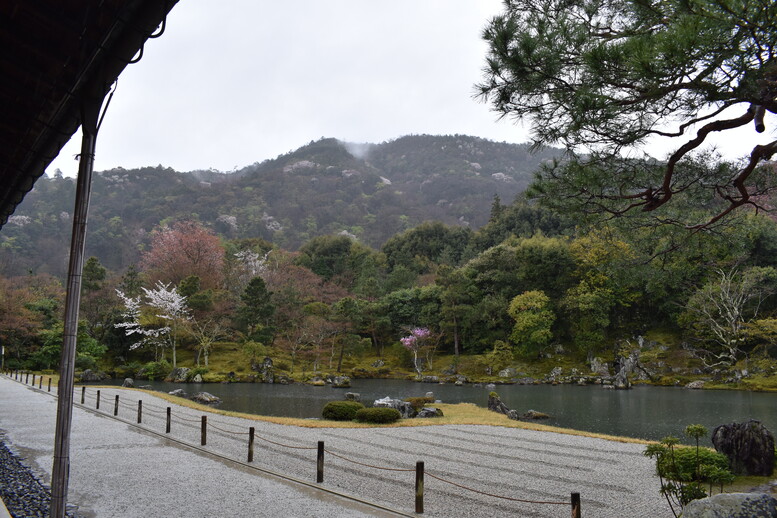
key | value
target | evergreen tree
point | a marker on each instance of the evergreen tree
(256, 309)
(607, 77)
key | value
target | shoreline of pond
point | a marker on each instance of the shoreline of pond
(645, 412)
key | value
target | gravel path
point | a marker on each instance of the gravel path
(144, 474)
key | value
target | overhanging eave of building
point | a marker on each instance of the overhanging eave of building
(57, 55)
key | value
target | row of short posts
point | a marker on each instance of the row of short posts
(24, 377)
(419, 468)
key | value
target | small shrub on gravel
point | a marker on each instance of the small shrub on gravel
(341, 410)
(378, 415)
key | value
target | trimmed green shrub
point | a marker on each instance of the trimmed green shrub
(154, 370)
(341, 410)
(378, 415)
(681, 465)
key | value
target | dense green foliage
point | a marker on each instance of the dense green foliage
(378, 415)
(684, 472)
(320, 189)
(521, 288)
(608, 79)
(341, 410)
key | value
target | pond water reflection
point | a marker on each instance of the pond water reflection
(643, 412)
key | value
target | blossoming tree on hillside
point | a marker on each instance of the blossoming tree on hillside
(171, 308)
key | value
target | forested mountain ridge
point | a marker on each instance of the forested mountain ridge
(371, 191)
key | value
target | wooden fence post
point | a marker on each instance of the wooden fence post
(97, 406)
(83, 394)
(40, 382)
(167, 429)
(27, 379)
(140, 410)
(116, 406)
(419, 487)
(251, 432)
(320, 463)
(576, 512)
(49, 383)
(204, 431)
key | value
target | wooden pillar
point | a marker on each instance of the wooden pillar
(419, 487)
(576, 511)
(320, 463)
(251, 432)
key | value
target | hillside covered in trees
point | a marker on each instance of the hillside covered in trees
(370, 191)
(439, 276)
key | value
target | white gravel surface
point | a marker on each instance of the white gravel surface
(118, 469)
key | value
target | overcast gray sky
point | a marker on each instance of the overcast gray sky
(233, 82)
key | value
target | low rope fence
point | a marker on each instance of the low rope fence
(420, 472)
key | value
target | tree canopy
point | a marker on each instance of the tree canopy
(606, 78)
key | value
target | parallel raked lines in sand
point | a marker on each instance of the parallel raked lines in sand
(488, 471)
(614, 479)
(546, 446)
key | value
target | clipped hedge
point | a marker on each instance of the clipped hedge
(378, 415)
(682, 464)
(341, 410)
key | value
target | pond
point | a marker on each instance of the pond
(643, 412)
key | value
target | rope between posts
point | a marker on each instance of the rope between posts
(493, 495)
(151, 405)
(366, 465)
(185, 419)
(286, 445)
(226, 431)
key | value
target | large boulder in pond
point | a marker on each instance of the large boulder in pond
(206, 398)
(178, 375)
(732, 505)
(341, 382)
(404, 407)
(749, 447)
(129, 383)
(495, 404)
(534, 415)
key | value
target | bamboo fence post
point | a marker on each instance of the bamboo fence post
(116, 406)
(167, 429)
(97, 406)
(204, 431)
(140, 410)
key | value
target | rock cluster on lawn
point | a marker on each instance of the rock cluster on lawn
(495, 404)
